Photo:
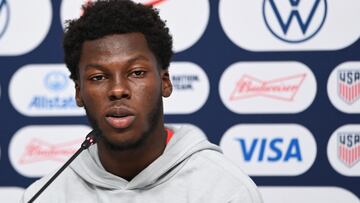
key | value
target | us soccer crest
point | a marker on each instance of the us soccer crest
(349, 148)
(349, 85)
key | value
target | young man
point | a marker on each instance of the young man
(118, 54)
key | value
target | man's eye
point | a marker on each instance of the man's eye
(138, 73)
(97, 77)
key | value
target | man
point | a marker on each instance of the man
(118, 54)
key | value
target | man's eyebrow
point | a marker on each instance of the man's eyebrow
(93, 65)
(137, 58)
(129, 61)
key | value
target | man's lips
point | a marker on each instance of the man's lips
(120, 117)
(120, 122)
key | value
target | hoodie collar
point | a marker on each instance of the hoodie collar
(186, 141)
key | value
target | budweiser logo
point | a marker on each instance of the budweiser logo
(284, 88)
(38, 150)
(87, 3)
(154, 2)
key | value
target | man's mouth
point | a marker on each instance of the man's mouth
(119, 118)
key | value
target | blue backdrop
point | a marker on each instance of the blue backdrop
(214, 52)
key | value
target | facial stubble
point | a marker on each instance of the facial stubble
(153, 118)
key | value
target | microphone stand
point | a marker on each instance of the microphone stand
(89, 140)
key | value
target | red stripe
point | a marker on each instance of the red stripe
(344, 155)
(348, 95)
(341, 153)
(354, 155)
(170, 134)
(344, 91)
(349, 158)
(355, 87)
(154, 2)
(341, 90)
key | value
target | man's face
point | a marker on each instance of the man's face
(121, 87)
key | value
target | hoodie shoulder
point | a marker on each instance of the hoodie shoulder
(205, 161)
(231, 176)
(55, 191)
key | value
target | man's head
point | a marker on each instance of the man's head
(118, 53)
(106, 17)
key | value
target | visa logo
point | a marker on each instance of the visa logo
(272, 150)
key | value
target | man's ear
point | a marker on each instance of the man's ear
(166, 83)
(78, 98)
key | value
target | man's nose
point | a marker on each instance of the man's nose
(118, 89)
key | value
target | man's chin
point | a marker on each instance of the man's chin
(122, 145)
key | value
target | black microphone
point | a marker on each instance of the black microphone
(89, 140)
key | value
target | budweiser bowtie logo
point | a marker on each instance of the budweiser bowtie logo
(154, 2)
(38, 150)
(284, 88)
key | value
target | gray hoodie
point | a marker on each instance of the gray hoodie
(191, 169)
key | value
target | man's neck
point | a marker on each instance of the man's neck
(130, 162)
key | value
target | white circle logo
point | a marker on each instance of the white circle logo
(35, 151)
(294, 21)
(301, 194)
(270, 149)
(56, 81)
(186, 27)
(16, 35)
(343, 150)
(4, 16)
(343, 87)
(50, 94)
(189, 81)
(290, 25)
(267, 87)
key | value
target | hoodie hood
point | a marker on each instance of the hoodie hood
(186, 141)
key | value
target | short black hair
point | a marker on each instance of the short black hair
(107, 17)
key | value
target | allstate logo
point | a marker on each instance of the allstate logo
(294, 21)
(4, 16)
(56, 81)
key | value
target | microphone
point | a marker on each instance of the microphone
(89, 140)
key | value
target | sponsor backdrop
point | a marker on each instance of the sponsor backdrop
(276, 83)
